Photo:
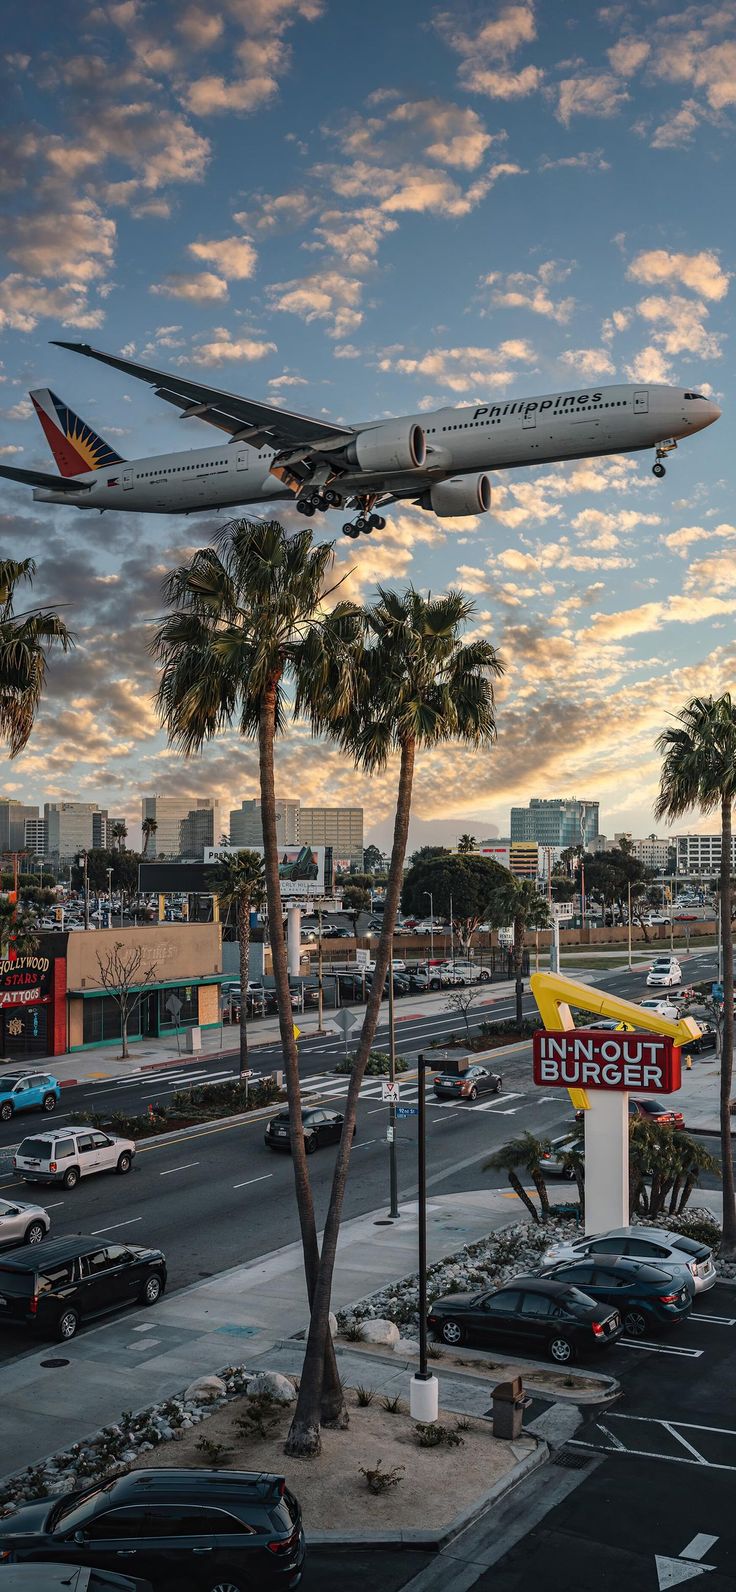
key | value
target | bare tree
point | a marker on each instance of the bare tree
(125, 975)
(461, 1001)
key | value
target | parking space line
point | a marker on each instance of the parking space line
(660, 1348)
(668, 1426)
(719, 1321)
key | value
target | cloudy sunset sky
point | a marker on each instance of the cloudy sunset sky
(365, 210)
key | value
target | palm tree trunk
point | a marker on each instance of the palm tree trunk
(690, 1183)
(728, 1243)
(244, 942)
(332, 1408)
(541, 1188)
(518, 964)
(521, 1194)
(301, 1438)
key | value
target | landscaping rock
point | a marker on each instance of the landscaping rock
(407, 1346)
(272, 1385)
(205, 1390)
(380, 1331)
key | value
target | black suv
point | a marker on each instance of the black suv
(199, 1530)
(69, 1280)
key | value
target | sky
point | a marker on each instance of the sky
(359, 211)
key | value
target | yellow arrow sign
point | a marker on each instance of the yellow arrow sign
(297, 1031)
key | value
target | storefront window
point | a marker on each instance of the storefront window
(102, 1021)
(177, 1008)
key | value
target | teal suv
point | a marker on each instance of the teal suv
(28, 1091)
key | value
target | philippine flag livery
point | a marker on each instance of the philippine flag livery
(75, 446)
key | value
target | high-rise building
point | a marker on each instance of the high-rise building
(34, 837)
(652, 851)
(338, 827)
(71, 827)
(197, 830)
(170, 813)
(701, 853)
(246, 827)
(558, 821)
(13, 815)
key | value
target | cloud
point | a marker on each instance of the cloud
(272, 212)
(200, 286)
(200, 28)
(213, 96)
(461, 369)
(23, 302)
(325, 296)
(681, 541)
(678, 129)
(221, 347)
(649, 365)
(590, 94)
(74, 241)
(701, 272)
(234, 258)
(500, 84)
(453, 135)
(354, 236)
(680, 609)
(496, 39)
(685, 333)
(524, 290)
(587, 362)
(157, 145)
(628, 55)
(585, 160)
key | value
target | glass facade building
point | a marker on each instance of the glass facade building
(557, 821)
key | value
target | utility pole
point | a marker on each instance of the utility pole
(392, 1166)
(424, 1387)
(431, 923)
(582, 866)
(320, 997)
(109, 896)
(452, 937)
(628, 886)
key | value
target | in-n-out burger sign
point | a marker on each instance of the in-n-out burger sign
(586, 1058)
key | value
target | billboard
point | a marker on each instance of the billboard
(589, 1058)
(301, 868)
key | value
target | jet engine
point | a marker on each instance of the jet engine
(464, 494)
(395, 446)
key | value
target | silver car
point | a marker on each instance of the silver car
(22, 1223)
(684, 1259)
(63, 1155)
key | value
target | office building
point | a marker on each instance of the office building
(170, 813)
(246, 828)
(524, 859)
(653, 852)
(558, 821)
(34, 837)
(71, 827)
(197, 830)
(701, 853)
(13, 815)
(341, 828)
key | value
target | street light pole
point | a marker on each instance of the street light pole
(86, 891)
(628, 886)
(109, 895)
(424, 1387)
(452, 936)
(320, 995)
(431, 923)
(392, 1166)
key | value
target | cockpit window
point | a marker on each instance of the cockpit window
(700, 395)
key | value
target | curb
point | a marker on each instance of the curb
(610, 1389)
(435, 1541)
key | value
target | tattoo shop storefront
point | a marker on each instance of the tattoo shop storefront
(33, 1002)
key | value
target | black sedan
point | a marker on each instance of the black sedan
(528, 1315)
(320, 1124)
(467, 1085)
(199, 1529)
(645, 1297)
(706, 1039)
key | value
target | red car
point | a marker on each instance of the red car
(652, 1111)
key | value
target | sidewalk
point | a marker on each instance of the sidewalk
(239, 1316)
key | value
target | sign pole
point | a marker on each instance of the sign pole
(424, 1388)
(392, 1167)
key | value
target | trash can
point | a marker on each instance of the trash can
(508, 1408)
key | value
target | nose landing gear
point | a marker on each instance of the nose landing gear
(663, 448)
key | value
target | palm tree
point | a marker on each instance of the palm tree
(467, 843)
(517, 901)
(526, 1152)
(18, 928)
(120, 833)
(26, 639)
(247, 625)
(415, 685)
(149, 828)
(238, 882)
(699, 770)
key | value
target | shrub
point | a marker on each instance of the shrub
(704, 1229)
(377, 1066)
(430, 1434)
(364, 1395)
(394, 1406)
(259, 1418)
(380, 1481)
(353, 1331)
(216, 1454)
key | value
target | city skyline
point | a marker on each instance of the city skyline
(457, 225)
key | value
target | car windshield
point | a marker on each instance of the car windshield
(73, 1513)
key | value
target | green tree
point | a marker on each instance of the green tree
(248, 626)
(465, 882)
(425, 853)
(517, 902)
(238, 883)
(356, 900)
(372, 860)
(699, 771)
(149, 829)
(26, 641)
(467, 843)
(525, 1152)
(18, 928)
(417, 685)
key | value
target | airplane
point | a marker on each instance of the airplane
(437, 461)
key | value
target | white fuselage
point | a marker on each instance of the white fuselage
(512, 433)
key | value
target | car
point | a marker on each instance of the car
(655, 919)
(611, 1025)
(54, 1287)
(529, 1313)
(321, 1126)
(553, 1163)
(664, 972)
(22, 1223)
(424, 926)
(397, 965)
(467, 1085)
(28, 1091)
(706, 1040)
(661, 1008)
(183, 1529)
(651, 1111)
(339, 932)
(308, 936)
(679, 1256)
(272, 1005)
(56, 1578)
(646, 1297)
(63, 1155)
(469, 972)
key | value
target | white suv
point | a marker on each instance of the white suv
(467, 972)
(63, 1155)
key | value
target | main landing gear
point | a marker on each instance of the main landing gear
(365, 523)
(311, 502)
(663, 449)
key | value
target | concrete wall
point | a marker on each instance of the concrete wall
(178, 951)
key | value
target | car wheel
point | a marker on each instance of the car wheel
(434, 983)
(635, 1323)
(484, 976)
(453, 1332)
(152, 1289)
(71, 1177)
(35, 1233)
(560, 1350)
(227, 1581)
(49, 1102)
(6, 1110)
(310, 1143)
(67, 1325)
(499, 1085)
(125, 1161)
(473, 1093)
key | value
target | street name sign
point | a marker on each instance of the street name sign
(588, 1058)
(407, 1111)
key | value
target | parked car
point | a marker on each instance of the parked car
(397, 965)
(28, 1091)
(56, 1578)
(530, 1313)
(651, 1110)
(682, 1258)
(706, 1039)
(193, 1529)
(553, 1164)
(469, 972)
(63, 1155)
(339, 932)
(272, 1005)
(22, 1223)
(321, 1126)
(646, 1297)
(664, 972)
(68, 1280)
(662, 1008)
(467, 1085)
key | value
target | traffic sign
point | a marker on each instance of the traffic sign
(390, 1091)
(362, 958)
(407, 1111)
(345, 1020)
(297, 1031)
(390, 1134)
(717, 991)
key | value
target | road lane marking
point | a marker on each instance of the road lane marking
(700, 1545)
(262, 1179)
(184, 1168)
(97, 1230)
(55, 1206)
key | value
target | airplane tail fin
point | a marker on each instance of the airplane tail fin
(75, 446)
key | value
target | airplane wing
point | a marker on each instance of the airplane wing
(245, 419)
(51, 483)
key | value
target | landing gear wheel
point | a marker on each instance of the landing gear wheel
(332, 498)
(363, 524)
(349, 530)
(378, 522)
(305, 507)
(658, 469)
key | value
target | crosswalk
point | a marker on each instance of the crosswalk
(328, 1087)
